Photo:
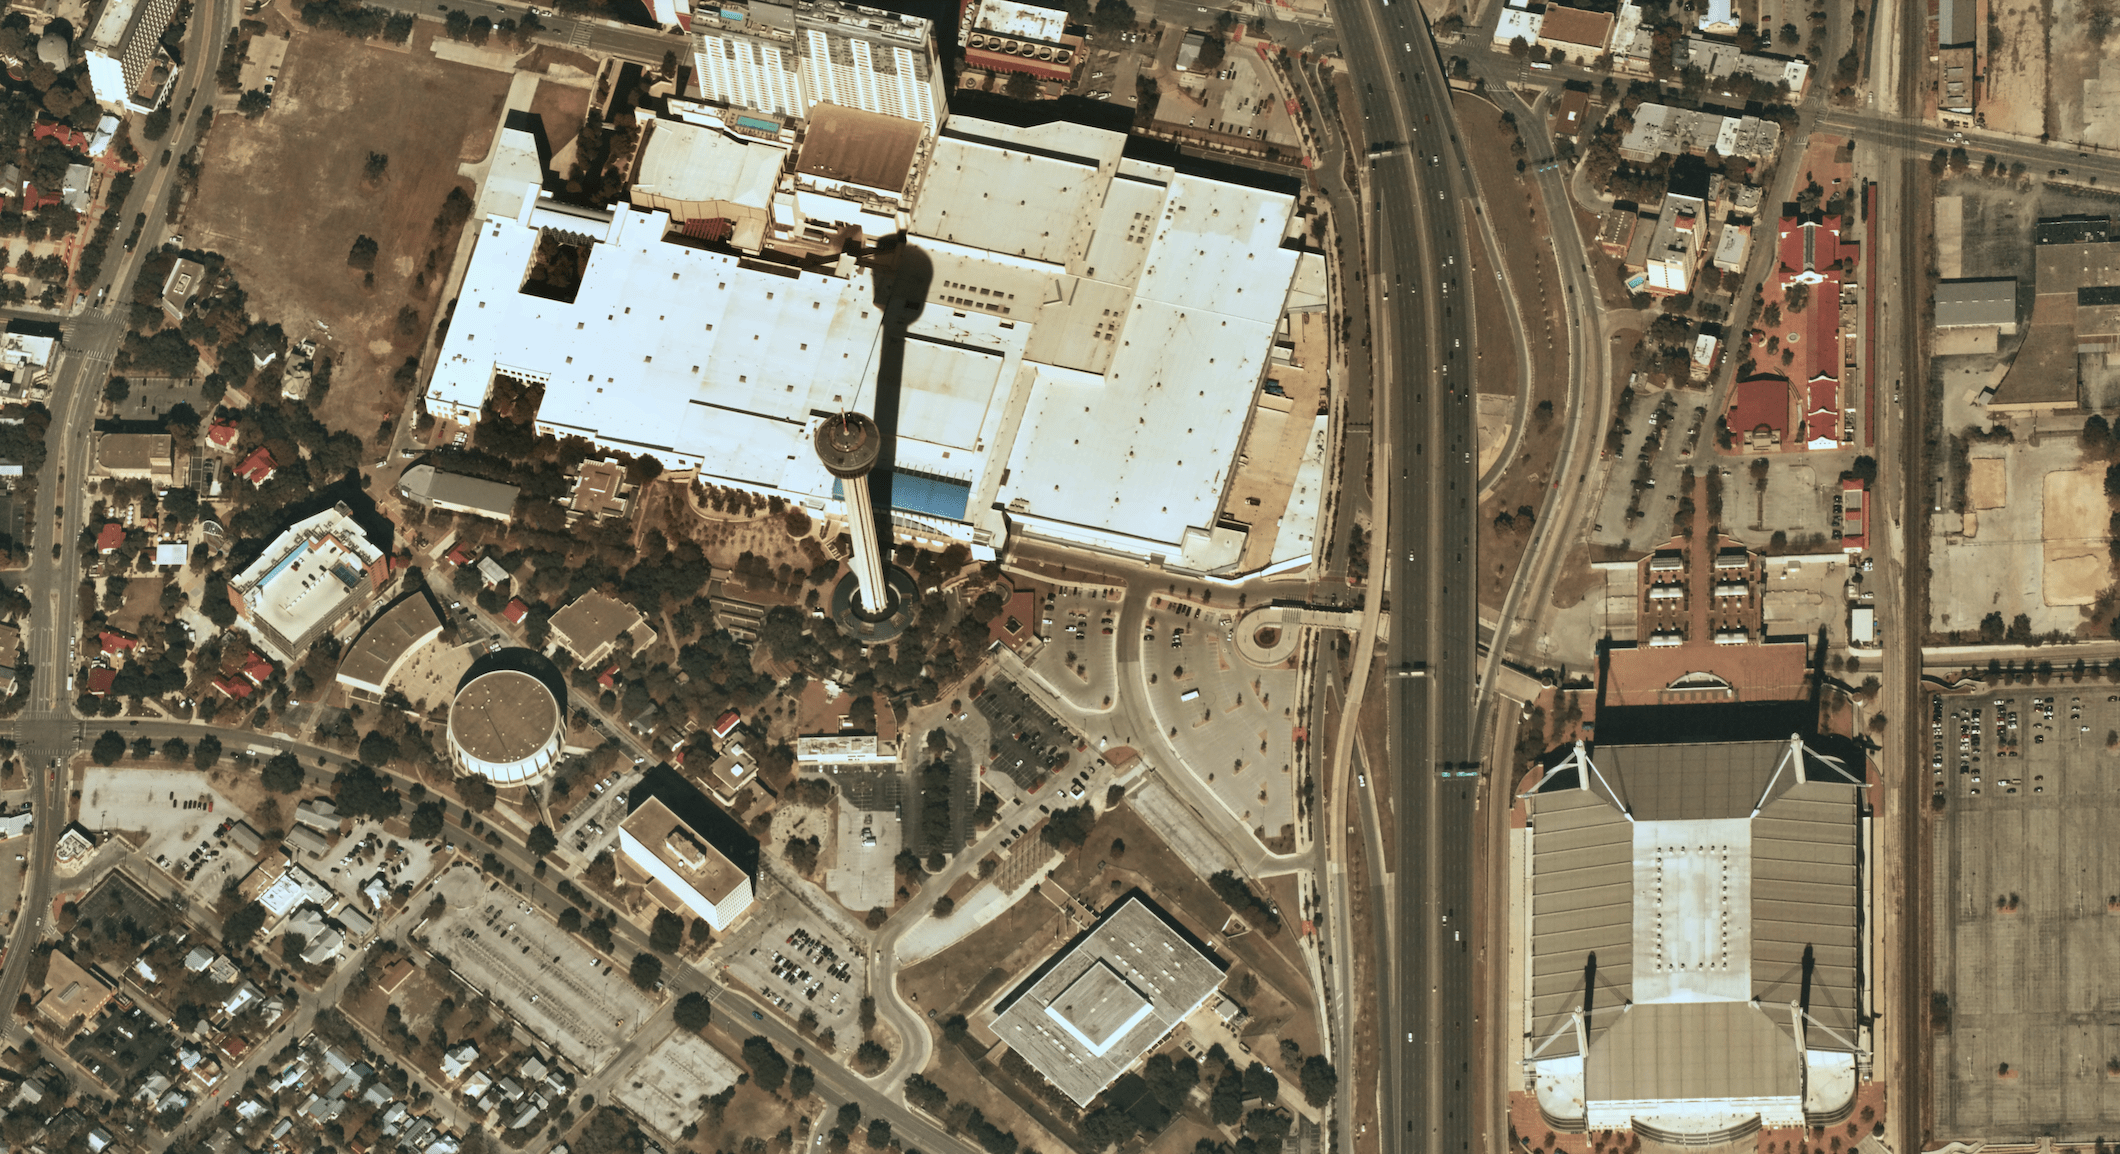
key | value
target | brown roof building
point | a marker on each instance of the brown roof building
(70, 991)
(591, 626)
(133, 457)
(1576, 34)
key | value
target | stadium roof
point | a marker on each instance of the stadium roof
(1679, 892)
(1108, 997)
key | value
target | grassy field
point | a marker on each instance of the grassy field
(285, 196)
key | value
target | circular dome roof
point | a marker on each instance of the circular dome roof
(505, 726)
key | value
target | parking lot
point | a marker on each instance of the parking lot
(1233, 725)
(180, 815)
(793, 959)
(2027, 913)
(551, 983)
(1025, 743)
(1080, 658)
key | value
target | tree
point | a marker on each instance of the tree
(1020, 86)
(1320, 1080)
(1068, 829)
(870, 1058)
(427, 822)
(176, 749)
(646, 970)
(768, 1069)
(1226, 1105)
(668, 933)
(375, 166)
(116, 389)
(874, 920)
(879, 1133)
(253, 104)
(157, 124)
(363, 253)
(694, 1011)
(801, 1080)
(109, 748)
(362, 792)
(207, 753)
(477, 792)
(570, 920)
(242, 925)
(1260, 1083)
(378, 749)
(542, 841)
(283, 773)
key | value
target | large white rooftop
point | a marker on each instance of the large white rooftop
(1094, 330)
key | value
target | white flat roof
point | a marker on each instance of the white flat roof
(309, 573)
(1024, 21)
(1095, 329)
(686, 161)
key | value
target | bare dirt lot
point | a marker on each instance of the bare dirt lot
(284, 196)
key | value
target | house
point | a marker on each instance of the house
(115, 643)
(258, 467)
(458, 1060)
(235, 689)
(490, 571)
(100, 679)
(222, 436)
(515, 611)
(110, 537)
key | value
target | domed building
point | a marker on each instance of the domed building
(505, 726)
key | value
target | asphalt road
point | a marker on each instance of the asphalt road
(46, 732)
(1419, 190)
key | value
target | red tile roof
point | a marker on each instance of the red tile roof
(515, 612)
(1762, 402)
(232, 687)
(258, 467)
(70, 137)
(457, 558)
(100, 680)
(112, 536)
(32, 199)
(116, 642)
(1822, 414)
(258, 669)
(725, 723)
(222, 435)
(608, 678)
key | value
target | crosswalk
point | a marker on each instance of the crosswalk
(579, 36)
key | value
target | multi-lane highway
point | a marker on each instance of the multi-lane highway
(1420, 202)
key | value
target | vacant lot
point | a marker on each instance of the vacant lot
(284, 196)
